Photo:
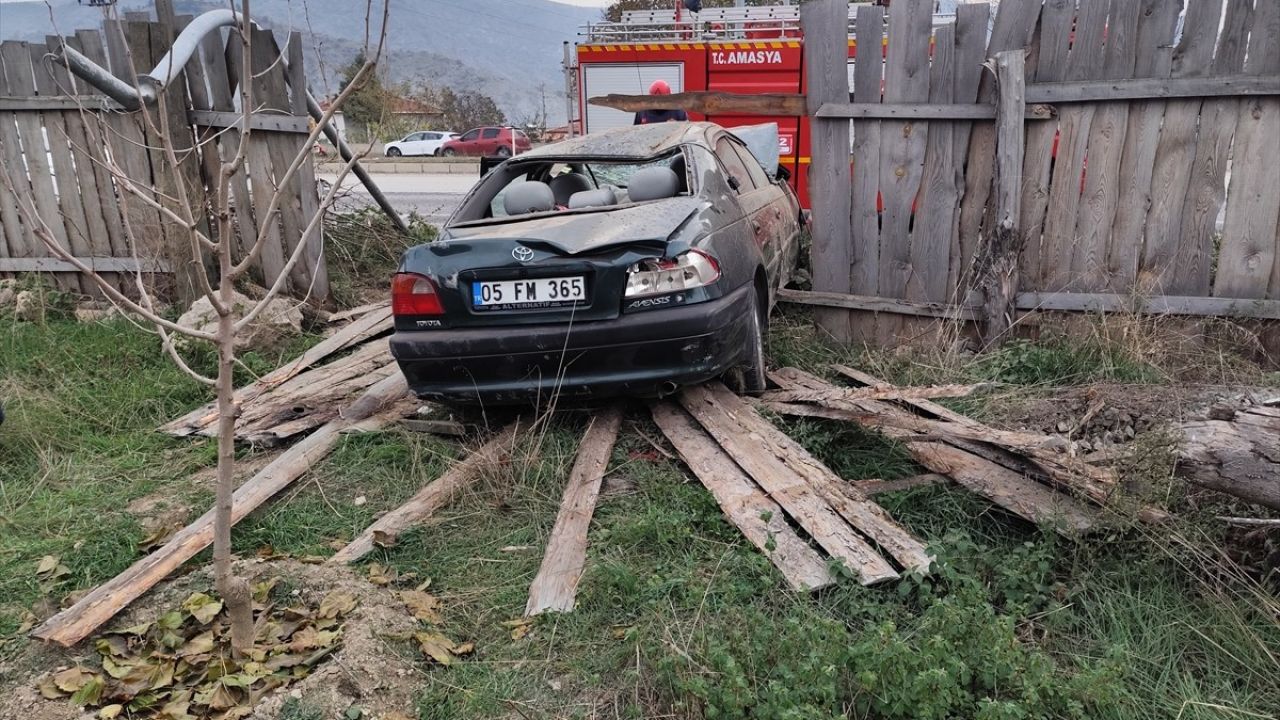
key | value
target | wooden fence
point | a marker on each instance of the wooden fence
(59, 137)
(1139, 152)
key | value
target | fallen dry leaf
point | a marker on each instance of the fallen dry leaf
(437, 647)
(465, 648)
(336, 604)
(72, 679)
(202, 607)
(423, 606)
(110, 712)
(382, 575)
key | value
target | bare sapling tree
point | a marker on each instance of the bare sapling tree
(217, 260)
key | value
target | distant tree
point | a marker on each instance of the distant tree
(370, 102)
(468, 109)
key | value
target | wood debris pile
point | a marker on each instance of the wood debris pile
(304, 394)
(760, 477)
(1037, 477)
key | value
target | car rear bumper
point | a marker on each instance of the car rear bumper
(644, 354)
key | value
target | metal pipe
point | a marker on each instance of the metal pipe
(187, 42)
(99, 77)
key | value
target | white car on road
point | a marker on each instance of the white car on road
(424, 142)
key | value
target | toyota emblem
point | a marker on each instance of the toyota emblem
(522, 253)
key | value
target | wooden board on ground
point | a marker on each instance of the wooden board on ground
(1240, 456)
(556, 586)
(367, 326)
(759, 518)
(1020, 495)
(433, 496)
(76, 623)
(819, 500)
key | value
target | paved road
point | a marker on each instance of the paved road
(433, 196)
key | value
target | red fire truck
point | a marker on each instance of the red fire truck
(735, 50)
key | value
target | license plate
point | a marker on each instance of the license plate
(528, 294)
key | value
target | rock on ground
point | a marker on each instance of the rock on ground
(280, 320)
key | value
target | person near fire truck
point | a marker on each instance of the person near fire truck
(645, 117)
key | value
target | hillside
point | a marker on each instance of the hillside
(505, 48)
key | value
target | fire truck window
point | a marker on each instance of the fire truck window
(490, 133)
(734, 166)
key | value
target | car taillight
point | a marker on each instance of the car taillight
(414, 294)
(658, 276)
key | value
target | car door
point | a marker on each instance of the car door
(489, 141)
(412, 144)
(432, 142)
(469, 143)
(761, 207)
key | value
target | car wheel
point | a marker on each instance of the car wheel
(503, 151)
(749, 378)
(393, 152)
(448, 152)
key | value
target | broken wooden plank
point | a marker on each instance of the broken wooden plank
(779, 464)
(76, 623)
(879, 487)
(888, 392)
(1020, 495)
(760, 519)
(556, 586)
(433, 496)
(1042, 460)
(370, 325)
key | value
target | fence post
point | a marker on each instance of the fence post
(1000, 277)
(825, 24)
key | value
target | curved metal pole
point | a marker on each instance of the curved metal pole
(150, 85)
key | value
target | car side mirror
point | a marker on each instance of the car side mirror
(734, 183)
(783, 173)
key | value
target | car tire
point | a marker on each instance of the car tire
(749, 378)
(503, 151)
(448, 152)
(393, 152)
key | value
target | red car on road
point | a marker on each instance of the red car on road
(488, 141)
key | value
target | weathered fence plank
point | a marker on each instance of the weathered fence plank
(213, 58)
(1206, 189)
(1056, 22)
(1000, 272)
(825, 55)
(18, 240)
(1101, 193)
(77, 185)
(972, 20)
(931, 231)
(864, 228)
(1249, 263)
(902, 150)
(1153, 59)
(1160, 271)
(313, 254)
(1084, 62)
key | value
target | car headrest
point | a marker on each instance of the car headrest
(593, 198)
(564, 186)
(528, 197)
(655, 183)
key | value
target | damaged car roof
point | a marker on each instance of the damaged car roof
(632, 141)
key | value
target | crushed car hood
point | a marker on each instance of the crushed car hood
(575, 233)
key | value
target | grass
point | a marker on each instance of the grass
(678, 616)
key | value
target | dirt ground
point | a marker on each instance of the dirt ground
(371, 670)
